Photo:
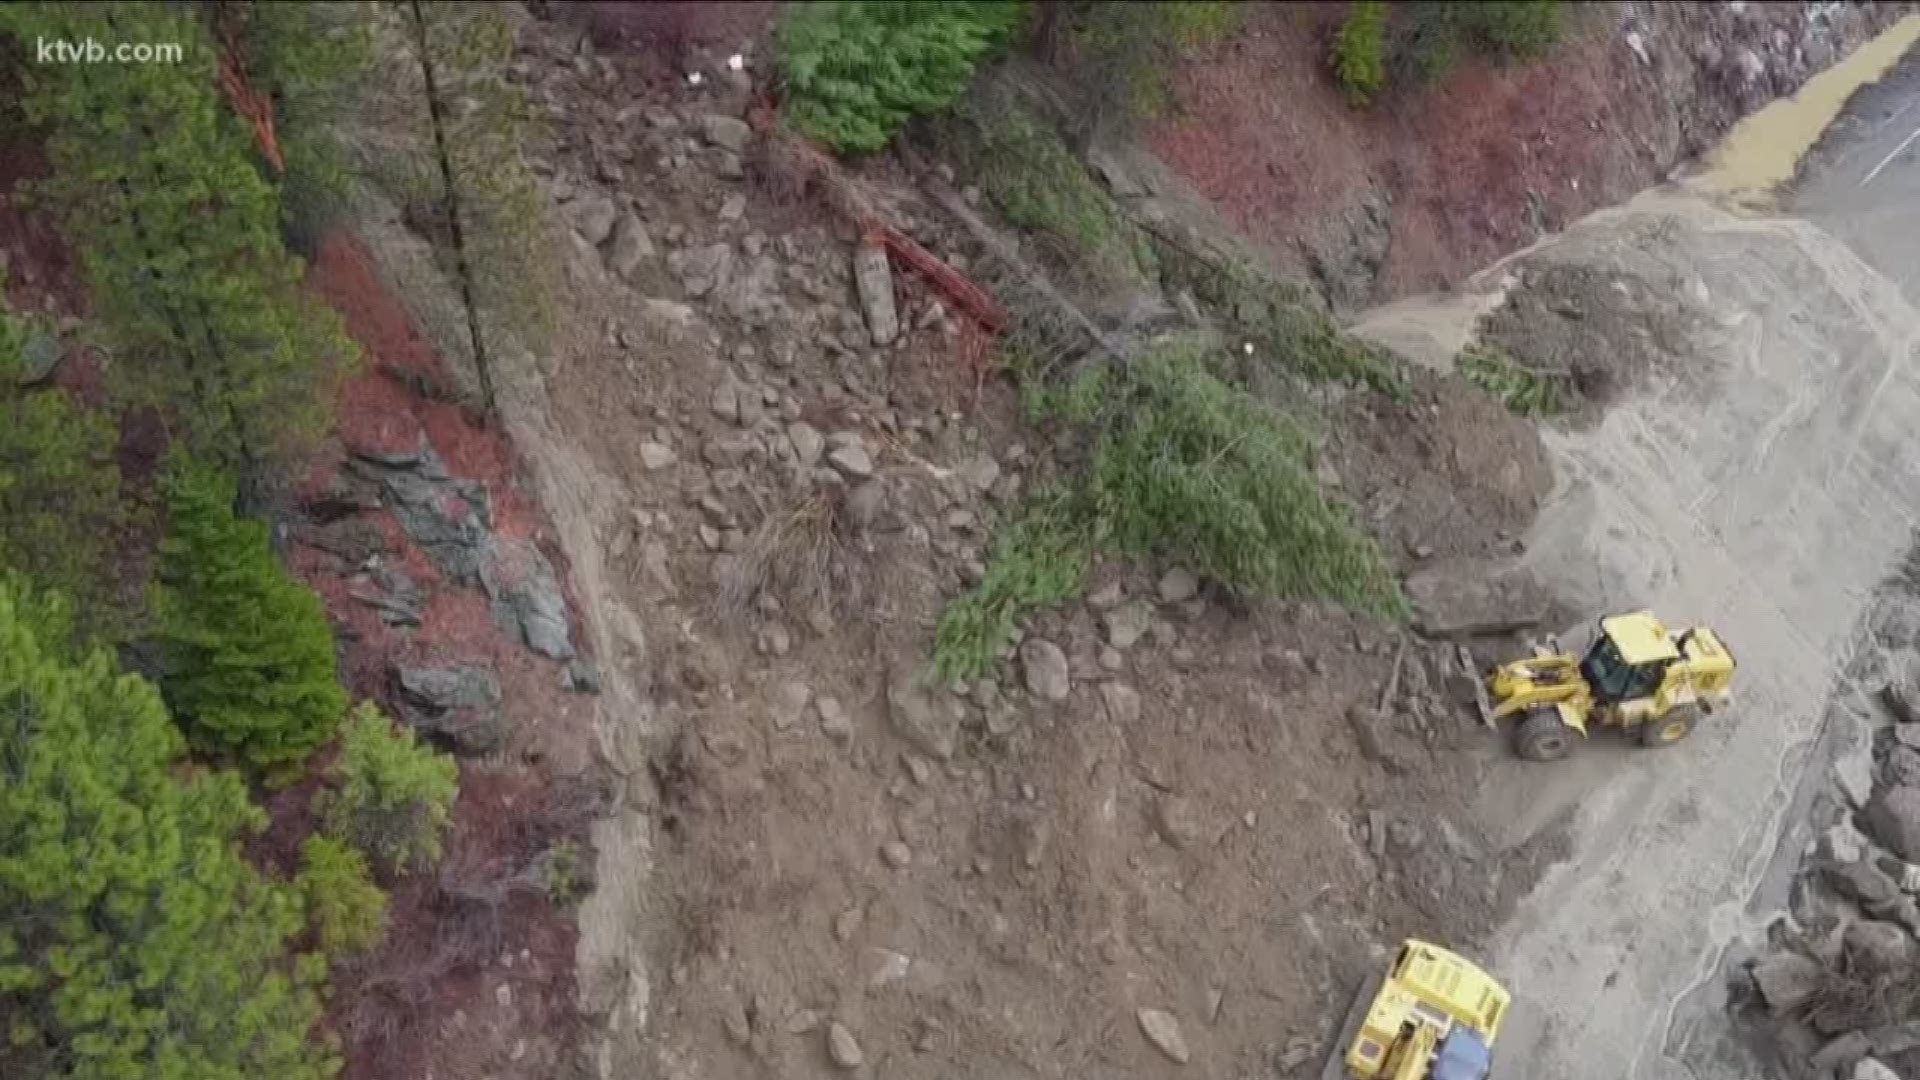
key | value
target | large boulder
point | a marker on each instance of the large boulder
(1879, 947)
(1893, 818)
(1786, 981)
(458, 706)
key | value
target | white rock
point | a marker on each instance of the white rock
(852, 460)
(655, 455)
(789, 703)
(842, 1047)
(874, 280)
(884, 967)
(807, 442)
(1122, 701)
(1046, 670)
(1163, 1031)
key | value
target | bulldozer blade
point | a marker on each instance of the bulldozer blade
(1478, 684)
(1335, 1065)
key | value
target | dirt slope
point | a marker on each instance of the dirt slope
(1161, 803)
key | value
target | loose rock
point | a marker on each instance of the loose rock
(1163, 1031)
(896, 854)
(592, 217)
(1786, 981)
(874, 280)
(807, 442)
(842, 1047)
(1122, 701)
(789, 703)
(1128, 623)
(1177, 585)
(852, 460)
(726, 132)
(630, 245)
(922, 720)
(654, 455)
(1045, 667)
(1893, 818)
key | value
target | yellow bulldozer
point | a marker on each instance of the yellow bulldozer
(1637, 675)
(1430, 1016)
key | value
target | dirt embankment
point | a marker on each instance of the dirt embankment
(1429, 185)
(1165, 800)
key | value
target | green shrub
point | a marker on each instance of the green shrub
(856, 70)
(391, 796)
(561, 874)
(1418, 43)
(61, 511)
(1360, 51)
(1121, 52)
(248, 657)
(1041, 187)
(1038, 560)
(1196, 471)
(1185, 467)
(1520, 388)
(347, 911)
(137, 941)
(1286, 330)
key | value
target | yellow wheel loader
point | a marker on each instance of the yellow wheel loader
(1638, 676)
(1431, 1016)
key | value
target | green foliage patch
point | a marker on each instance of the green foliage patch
(248, 656)
(1417, 43)
(1522, 389)
(1039, 559)
(61, 510)
(137, 941)
(856, 70)
(1185, 467)
(1360, 51)
(347, 911)
(1022, 164)
(391, 796)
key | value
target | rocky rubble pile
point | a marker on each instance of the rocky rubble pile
(1840, 986)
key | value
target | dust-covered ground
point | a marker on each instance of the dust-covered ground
(1764, 487)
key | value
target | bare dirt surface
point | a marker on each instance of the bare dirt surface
(1169, 801)
(1599, 335)
(1762, 489)
(1426, 187)
(1447, 474)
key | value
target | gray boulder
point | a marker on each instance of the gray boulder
(1786, 981)
(458, 706)
(1893, 818)
(527, 598)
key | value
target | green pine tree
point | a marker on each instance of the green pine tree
(157, 183)
(856, 70)
(136, 941)
(249, 664)
(60, 504)
(347, 910)
(392, 797)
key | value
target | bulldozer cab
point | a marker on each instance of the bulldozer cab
(1635, 657)
(1629, 658)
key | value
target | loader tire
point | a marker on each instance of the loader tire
(1542, 737)
(1669, 729)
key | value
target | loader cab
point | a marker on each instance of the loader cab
(1629, 658)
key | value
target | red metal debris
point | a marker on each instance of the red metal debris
(955, 286)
